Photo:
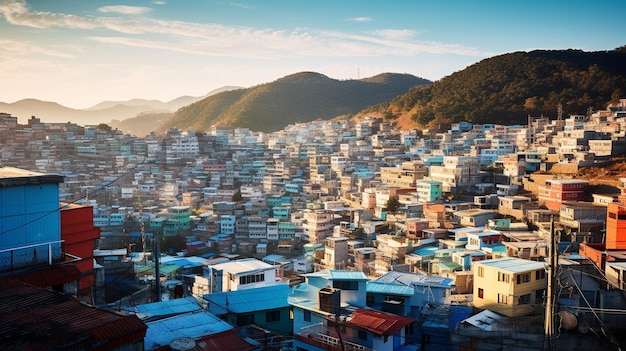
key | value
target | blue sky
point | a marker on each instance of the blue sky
(79, 53)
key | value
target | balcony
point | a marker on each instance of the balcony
(317, 335)
(18, 258)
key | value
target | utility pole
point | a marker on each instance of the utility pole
(157, 271)
(552, 271)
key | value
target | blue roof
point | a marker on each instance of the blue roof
(426, 250)
(170, 307)
(394, 289)
(276, 258)
(249, 300)
(193, 325)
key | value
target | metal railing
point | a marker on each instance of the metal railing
(319, 333)
(22, 257)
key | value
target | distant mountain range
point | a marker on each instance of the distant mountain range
(104, 112)
(503, 89)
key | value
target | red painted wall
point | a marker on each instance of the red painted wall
(79, 234)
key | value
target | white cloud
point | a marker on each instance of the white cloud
(219, 40)
(125, 10)
(395, 33)
(159, 3)
(359, 19)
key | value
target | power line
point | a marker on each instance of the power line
(71, 202)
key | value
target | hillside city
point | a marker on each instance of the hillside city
(328, 235)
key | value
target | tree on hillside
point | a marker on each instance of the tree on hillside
(237, 196)
(393, 204)
(103, 127)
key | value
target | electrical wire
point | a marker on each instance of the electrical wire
(73, 201)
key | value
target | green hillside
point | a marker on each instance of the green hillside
(301, 97)
(505, 89)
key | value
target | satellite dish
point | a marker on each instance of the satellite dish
(568, 320)
(182, 344)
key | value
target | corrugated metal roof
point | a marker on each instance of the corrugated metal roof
(513, 265)
(377, 322)
(242, 266)
(347, 275)
(52, 276)
(40, 319)
(168, 308)
(225, 341)
(451, 266)
(192, 325)
(402, 278)
(395, 289)
(249, 300)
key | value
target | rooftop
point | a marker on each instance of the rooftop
(513, 265)
(192, 325)
(10, 176)
(33, 319)
(249, 300)
(243, 266)
(379, 323)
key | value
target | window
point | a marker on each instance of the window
(307, 316)
(524, 299)
(362, 335)
(272, 316)
(346, 285)
(523, 278)
(253, 278)
(503, 277)
(245, 319)
(503, 299)
(540, 274)
(481, 271)
(481, 292)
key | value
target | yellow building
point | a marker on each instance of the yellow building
(509, 286)
(404, 175)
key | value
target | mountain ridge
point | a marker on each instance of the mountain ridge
(104, 112)
(507, 88)
(298, 97)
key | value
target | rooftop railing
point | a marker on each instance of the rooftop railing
(22, 257)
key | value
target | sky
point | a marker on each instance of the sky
(79, 53)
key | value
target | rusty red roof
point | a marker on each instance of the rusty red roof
(40, 319)
(51, 276)
(379, 323)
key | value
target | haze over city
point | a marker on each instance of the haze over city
(79, 53)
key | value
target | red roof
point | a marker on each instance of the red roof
(40, 319)
(51, 276)
(379, 323)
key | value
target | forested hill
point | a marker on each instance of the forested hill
(505, 89)
(300, 97)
